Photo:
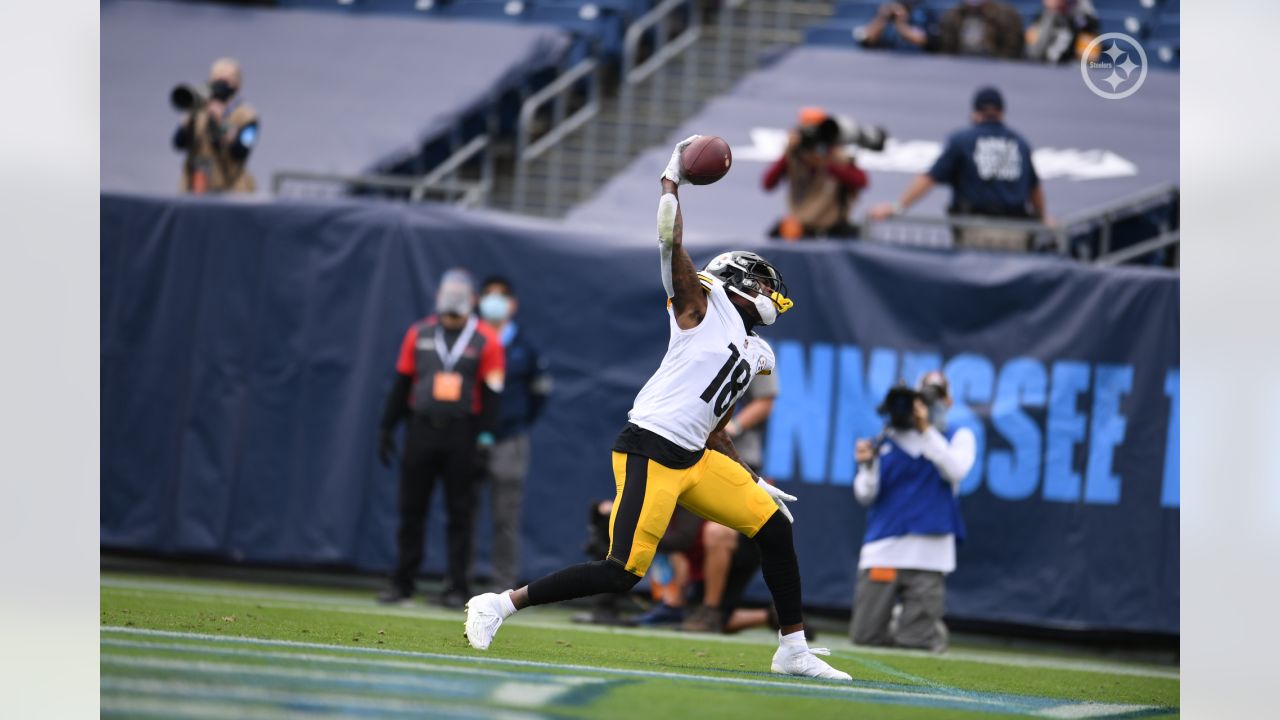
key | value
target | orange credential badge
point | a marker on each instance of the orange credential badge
(882, 575)
(447, 387)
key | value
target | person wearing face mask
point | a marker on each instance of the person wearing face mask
(218, 136)
(909, 479)
(448, 384)
(524, 394)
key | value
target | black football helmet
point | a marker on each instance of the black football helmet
(747, 271)
(753, 277)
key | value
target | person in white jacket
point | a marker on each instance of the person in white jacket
(909, 479)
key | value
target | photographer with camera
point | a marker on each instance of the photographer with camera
(909, 478)
(824, 181)
(217, 133)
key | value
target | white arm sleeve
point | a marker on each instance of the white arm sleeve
(866, 484)
(667, 207)
(954, 459)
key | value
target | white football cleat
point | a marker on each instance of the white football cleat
(806, 664)
(484, 617)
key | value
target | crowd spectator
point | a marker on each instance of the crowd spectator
(218, 136)
(1062, 30)
(988, 166)
(987, 28)
(524, 394)
(448, 378)
(910, 479)
(904, 25)
(823, 180)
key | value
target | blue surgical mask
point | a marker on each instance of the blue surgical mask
(938, 415)
(495, 307)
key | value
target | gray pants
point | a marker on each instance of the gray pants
(923, 597)
(508, 464)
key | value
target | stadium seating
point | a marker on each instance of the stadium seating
(1154, 22)
(387, 125)
(597, 24)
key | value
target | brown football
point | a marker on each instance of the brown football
(706, 160)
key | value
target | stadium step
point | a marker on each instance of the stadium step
(730, 46)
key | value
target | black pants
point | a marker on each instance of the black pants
(436, 450)
(742, 569)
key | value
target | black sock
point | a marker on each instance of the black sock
(583, 580)
(780, 568)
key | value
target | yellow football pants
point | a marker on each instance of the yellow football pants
(715, 488)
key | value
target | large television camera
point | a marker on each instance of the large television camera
(838, 130)
(899, 407)
(188, 98)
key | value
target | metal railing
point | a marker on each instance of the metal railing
(1170, 239)
(557, 94)
(330, 185)
(442, 182)
(651, 96)
(1032, 235)
(665, 49)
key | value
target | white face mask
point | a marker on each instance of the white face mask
(764, 306)
(495, 307)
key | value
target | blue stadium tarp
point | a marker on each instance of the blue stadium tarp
(1090, 151)
(247, 348)
(337, 93)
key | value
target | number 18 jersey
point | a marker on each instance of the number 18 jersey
(704, 373)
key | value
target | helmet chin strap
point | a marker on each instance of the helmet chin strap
(764, 306)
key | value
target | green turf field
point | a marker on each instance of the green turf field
(204, 649)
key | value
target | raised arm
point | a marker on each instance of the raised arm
(679, 276)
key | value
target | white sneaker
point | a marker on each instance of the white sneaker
(806, 664)
(484, 617)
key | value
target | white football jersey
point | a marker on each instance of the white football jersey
(705, 371)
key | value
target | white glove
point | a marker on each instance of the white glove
(672, 172)
(778, 497)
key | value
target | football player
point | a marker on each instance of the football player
(675, 449)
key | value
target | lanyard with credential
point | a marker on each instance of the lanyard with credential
(449, 356)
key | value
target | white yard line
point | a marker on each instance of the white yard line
(1084, 710)
(138, 706)
(342, 660)
(303, 601)
(199, 642)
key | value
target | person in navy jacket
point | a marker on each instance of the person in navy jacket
(909, 479)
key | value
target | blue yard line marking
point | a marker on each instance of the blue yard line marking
(935, 696)
(239, 703)
(307, 701)
(241, 675)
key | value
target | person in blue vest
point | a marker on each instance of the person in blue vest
(909, 479)
(524, 394)
(448, 386)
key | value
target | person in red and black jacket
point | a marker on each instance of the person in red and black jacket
(448, 382)
(823, 180)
